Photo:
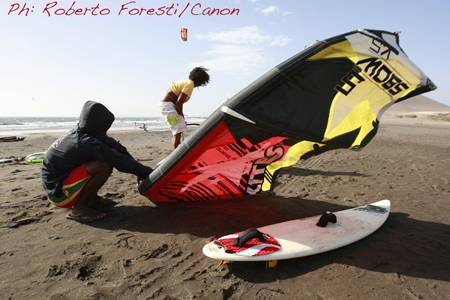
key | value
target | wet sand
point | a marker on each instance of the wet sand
(146, 252)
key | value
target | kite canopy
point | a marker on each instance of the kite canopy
(331, 95)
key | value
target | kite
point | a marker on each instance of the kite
(329, 96)
(184, 34)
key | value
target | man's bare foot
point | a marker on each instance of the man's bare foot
(85, 215)
(102, 203)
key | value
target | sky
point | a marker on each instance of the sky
(51, 65)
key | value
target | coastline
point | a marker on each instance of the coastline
(25, 126)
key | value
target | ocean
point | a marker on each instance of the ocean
(30, 125)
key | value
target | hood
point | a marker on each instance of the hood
(95, 119)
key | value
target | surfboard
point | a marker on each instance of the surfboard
(35, 158)
(300, 237)
(7, 160)
(12, 138)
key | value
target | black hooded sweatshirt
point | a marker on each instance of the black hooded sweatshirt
(87, 142)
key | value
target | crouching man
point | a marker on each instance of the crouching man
(77, 165)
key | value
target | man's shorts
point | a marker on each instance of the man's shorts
(173, 119)
(72, 187)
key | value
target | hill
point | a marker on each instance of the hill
(418, 104)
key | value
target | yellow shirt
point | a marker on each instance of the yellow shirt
(182, 86)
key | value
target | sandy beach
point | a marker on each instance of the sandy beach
(147, 252)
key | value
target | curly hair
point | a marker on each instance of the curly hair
(199, 76)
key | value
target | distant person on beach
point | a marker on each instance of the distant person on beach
(178, 94)
(77, 165)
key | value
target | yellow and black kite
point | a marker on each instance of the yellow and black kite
(328, 96)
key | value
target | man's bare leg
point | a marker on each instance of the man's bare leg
(100, 173)
(177, 139)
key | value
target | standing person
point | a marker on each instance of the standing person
(77, 165)
(178, 94)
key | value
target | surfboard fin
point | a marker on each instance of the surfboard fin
(270, 264)
(223, 263)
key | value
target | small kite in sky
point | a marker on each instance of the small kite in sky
(184, 33)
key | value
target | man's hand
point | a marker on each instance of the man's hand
(139, 179)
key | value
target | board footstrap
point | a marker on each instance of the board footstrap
(325, 218)
(245, 236)
(251, 242)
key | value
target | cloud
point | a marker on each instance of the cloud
(272, 9)
(238, 50)
(280, 41)
(232, 58)
(248, 35)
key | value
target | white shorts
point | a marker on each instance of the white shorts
(173, 119)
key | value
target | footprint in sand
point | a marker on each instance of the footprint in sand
(123, 242)
(88, 267)
(114, 195)
(82, 268)
(18, 221)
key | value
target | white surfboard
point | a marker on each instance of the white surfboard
(302, 237)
